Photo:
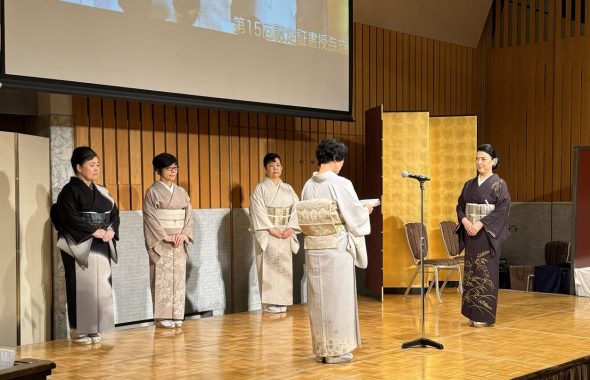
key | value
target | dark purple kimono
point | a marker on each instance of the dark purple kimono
(482, 252)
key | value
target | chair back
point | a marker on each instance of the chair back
(450, 238)
(413, 238)
(557, 252)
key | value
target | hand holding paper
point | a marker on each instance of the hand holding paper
(373, 202)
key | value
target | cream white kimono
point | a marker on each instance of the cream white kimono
(331, 286)
(272, 206)
(167, 213)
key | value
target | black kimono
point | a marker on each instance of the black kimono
(81, 210)
(482, 251)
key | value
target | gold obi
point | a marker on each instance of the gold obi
(171, 218)
(320, 222)
(279, 216)
(476, 211)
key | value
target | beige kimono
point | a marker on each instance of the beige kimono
(331, 286)
(272, 206)
(167, 213)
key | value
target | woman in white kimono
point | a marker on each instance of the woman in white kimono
(275, 233)
(330, 214)
(87, 221)
(167, 228)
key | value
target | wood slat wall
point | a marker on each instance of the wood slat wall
(220, 152)
(537, 93)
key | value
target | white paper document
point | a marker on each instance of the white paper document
(373, 202)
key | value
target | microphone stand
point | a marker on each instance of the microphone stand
(422, 341)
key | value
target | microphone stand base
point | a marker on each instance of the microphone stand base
(422, 342)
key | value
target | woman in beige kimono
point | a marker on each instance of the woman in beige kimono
(275, 232)
(331, 217)
(167, 228)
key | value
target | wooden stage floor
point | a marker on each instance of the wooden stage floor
(533, 331)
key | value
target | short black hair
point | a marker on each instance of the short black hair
(270, 157)
(163, 160)
(80, 155)
(330, 150)
(489, 149)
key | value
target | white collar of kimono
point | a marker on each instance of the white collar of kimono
(269, 182)
(323, 176)
(170, 188)
(481, 180)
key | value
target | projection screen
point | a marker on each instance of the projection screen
(281, 56)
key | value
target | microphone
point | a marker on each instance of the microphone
(415, 176)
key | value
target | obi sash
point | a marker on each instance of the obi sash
(100, 220)
(320, 222)
(81, 251)
(171, 218)
(477, 211)
(279, 216)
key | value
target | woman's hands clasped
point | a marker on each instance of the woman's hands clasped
(176, 240)
(104, 235)
(472, 229)
(280, 234)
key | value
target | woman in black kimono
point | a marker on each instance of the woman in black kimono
(87, 221)
(482, 211)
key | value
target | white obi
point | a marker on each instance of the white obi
(476, 211)
(320, 222)
(279, 216)
(171, 218)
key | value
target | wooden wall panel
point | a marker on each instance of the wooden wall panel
(159, 129)
(122, 161)
(147, 145)
(215, 160)
(193, 163)
(182, 147)
(80, 120)
(224, 157)
(220, 152)
(203, 160)
(135, 156)
(536, 94)
(96, 129)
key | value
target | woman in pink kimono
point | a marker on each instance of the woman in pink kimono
(167, 228)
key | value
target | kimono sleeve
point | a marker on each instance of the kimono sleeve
(152, 229)
(258, 213)
(495, 222)
(461, 205)
(70, 219)
(293, 221)
(188, 217)
(355, 215)
(115, 221)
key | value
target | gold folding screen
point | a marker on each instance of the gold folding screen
(405, 147)
(451, 158)
(442, 148)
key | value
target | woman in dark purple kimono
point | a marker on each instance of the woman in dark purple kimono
(482, 211)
